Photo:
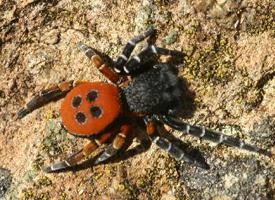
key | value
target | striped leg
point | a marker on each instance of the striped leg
(178, 153)
(138, 61)
(173, 150)
(100, 64)
(53, 93)
(211, 135)
(116, 145)
(75, 158)
(128, 49)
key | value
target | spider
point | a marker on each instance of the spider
(106, 112)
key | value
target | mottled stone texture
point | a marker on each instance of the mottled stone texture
(228, 69)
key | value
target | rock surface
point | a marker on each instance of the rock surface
(229, 66)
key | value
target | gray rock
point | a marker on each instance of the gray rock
(5, 180)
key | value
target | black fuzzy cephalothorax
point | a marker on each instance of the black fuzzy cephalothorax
(154, 91)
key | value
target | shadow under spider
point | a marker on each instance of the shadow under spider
(144, 144)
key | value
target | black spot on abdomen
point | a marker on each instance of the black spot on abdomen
(92, 95)
(76, 101)
(81, 118)
(96, 111)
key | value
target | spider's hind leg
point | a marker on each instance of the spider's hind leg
(178, 153)
(210, 135)
(72, 160)
(174, 150)
(75, 158)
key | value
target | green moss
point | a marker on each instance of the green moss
(171, 38)
(53, 143)
(30, 175)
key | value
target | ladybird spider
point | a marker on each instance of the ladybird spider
(101, 111)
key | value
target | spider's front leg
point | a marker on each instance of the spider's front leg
(99, 63)
(53, 93)
(116, 145)
(210, 135)
(138, 61)
(112, 71)
(128, 49)
(74, 159)
(176, 152)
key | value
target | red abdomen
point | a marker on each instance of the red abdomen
(90, 107)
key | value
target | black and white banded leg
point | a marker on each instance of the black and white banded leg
(210, 135)
(138, 61)
(153, 130)
(117, 144)
(45, 96)
(89, 52)
(110, 151)
(75, 158)
(178, 153)
(128, 49)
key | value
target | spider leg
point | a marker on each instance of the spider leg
(100, 64)
(128, 49)
(73, 159)
(116, 145)
(138, 61)
(210, 135)
(173, 150)
(53, 93)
